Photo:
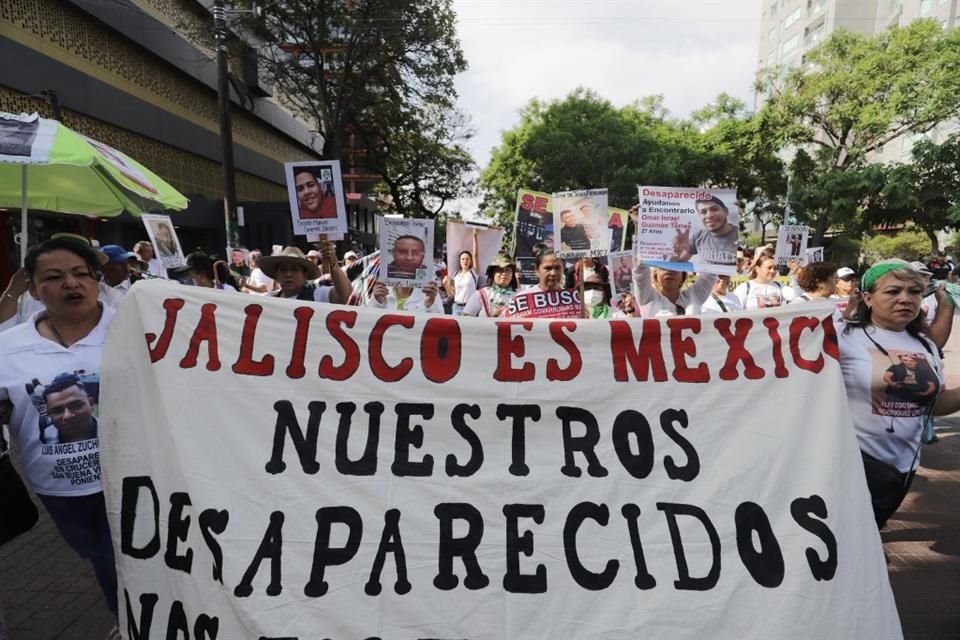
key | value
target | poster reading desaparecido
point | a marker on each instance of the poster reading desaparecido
(406, 252)
(580, 223)
(688, 229)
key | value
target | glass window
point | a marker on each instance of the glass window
(791, 19)
(925, 7)
(787, 47)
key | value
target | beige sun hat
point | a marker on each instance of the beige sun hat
(289, 255)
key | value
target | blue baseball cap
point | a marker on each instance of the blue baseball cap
(116, 253)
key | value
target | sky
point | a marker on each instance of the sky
(687, 50)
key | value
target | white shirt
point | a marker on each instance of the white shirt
(156, 269)
(465, 284)
(261, 279)
(885, 394)
(28, 305)
(29, 362)
(652, 303)
(755, 295)
(416, 303)
(730, 301)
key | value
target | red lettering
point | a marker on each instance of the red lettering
(830, 345)
(554, 372)
(206, 331)
(245, 364)
(683, 347)
(296, 368)
(440, 348)
(644, 357)
(336, 320)
(378, 365)
(773, 330)
(157, 352)
(737, 351)
(540, 205)
(796, 328)
(508, 346)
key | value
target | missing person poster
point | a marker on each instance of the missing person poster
(533, 224)
(316, 197)
(791, 243)
(617, 224)
(527, 272)
(580, 220)
(688, 229)
(814, 254)
(389, 475)
(406, 251)
(163, 237)
(620, 267)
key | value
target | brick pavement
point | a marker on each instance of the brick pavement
(48, 593)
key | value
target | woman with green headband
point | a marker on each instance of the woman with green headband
(893, 374)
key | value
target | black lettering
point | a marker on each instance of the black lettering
(141, 631)
(513, 580)
(465, 547)
(644, 580)
(178, 526)
(801, 510)
(214, 521)
(390, 542)
(584, 444)
(270, 547)
(628, 423)
(367, 464)
(306, 446)
(690, 470)
(130, 491)
(581, 575)
(519, 413)
(671, 510)
(177, 622)
(454, 468)
(411, 437)
(326, 556)
(764, 564)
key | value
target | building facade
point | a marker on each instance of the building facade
(140, 75)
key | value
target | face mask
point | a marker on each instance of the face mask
(593, 298)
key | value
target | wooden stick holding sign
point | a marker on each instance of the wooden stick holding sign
(583, 298)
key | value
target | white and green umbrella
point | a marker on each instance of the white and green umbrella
(45, 165)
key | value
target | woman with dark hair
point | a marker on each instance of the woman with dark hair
(490, 301)
(550, 279)
(205, 272)
(466, 282)
(50, 374)
(893, 375)
(818, 281)
(762, 290)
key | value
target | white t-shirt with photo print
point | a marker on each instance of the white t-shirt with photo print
(28, 363)
(889, 394)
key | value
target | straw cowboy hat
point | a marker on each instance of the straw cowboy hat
(289, 255)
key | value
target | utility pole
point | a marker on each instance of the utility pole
(226, 128)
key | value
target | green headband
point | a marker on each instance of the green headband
(879, 270)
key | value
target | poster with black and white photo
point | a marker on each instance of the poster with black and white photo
(163, 237)
(791, 243)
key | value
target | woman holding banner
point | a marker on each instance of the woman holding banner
(893, 374)
(50, 375)
(661, 293)
(492, 300)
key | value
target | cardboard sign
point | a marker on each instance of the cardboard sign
(791, 243)
(580, 221)
(688, 229)
(283, 469)
(460, 238)
(163, 237)
(536, 303)
(316, 197)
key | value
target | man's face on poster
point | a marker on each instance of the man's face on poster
(408, 253)
(308, 191)
(71, 411)
(568, 218)
(163, 235)
(713, 216)
(238, 258)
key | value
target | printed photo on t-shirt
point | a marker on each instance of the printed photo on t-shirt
(68, 425)
(904, 383)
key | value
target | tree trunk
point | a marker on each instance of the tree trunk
(821, 229)
(934, 244)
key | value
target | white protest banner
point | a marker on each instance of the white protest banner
(688, 229)
(315, 190)
(406, 250)
(163, 237)
(580, 221)
(791, 243)
(276, 468)
(533, 223)
(460, 238)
